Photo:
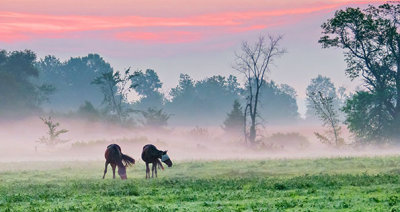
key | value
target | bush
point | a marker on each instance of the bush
(199, 132)
(53, 133)
(286, 140)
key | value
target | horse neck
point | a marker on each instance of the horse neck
(159, 153)
(120, 165)
(153, 151)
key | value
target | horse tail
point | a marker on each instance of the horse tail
(128, 160)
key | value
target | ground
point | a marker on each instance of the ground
(348, 184)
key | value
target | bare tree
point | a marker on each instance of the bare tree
(325, 110)
(253, 61)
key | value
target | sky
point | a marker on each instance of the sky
(198, 38)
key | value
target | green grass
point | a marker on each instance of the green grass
(348, 184)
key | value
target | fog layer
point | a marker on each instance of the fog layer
(88, 140)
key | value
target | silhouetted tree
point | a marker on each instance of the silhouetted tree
(254, 61)
(202, 102)
(278, 103)
(327, 88)
(155, 118)
(88, 111)
(72, 80)
(148, 86)
(367, 117)
(371, 41)
(234, 121)
(20, 94)
(115, 88)
(325, 110)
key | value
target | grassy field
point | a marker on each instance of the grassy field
(348, 184)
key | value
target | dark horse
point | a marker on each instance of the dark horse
(115, 157)
(152, 155)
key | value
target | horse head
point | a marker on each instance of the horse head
(165, 159)
(122, 172)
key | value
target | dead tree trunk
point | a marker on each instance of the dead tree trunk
(253, 61)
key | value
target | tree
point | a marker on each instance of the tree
(148, 86)
(324, 108)
(183, 100)
(371, 41)
(326, 87)
(88, 111)
(72, 80)
(367, 117)
(20, 94)
(146, 83)
(289, 90)
(278, 103)
(254, 61)
(53, 133)
(185, 86)
(203, 102)
(155, 118)
(115, 88)
(234, 120)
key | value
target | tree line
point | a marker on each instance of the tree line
(369, 37)
(89, 87)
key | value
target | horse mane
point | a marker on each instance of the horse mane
(153, 151)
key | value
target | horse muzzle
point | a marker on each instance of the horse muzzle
(168, 162)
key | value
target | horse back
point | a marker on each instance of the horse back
(113, 153)
(150, 153)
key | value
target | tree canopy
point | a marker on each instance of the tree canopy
(88, 87)
(234, 121)
(204, 102)
(325, 86)
(371, 41)
(197, 101)
(72, 80)
(147, 84)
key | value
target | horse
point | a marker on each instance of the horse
(152, 155)
(115, 157)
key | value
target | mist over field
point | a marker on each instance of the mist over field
(199, 105)
(88, 141)
(279, 96)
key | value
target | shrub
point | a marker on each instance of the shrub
(285, 140)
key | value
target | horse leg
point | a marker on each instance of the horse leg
(155, 168)
(113, 168)
(147, 170)
(160, 164)
(105, 169)
(152, 170)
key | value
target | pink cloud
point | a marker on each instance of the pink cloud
(12, 37)
(159, 37)
(16, 26)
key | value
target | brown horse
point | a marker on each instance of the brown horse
(152, 155)
(115, 157)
